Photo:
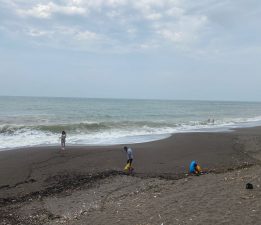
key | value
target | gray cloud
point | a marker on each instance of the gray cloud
(153, 21)
(201, 27)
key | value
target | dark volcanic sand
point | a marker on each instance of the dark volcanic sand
(86, 185)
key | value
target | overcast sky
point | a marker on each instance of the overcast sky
(152, 49)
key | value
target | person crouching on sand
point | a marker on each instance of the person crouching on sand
(129, 156)
(63, 137)
(194, 168)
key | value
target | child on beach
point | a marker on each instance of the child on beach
(63, 137)
(194, 168)
(129, 158)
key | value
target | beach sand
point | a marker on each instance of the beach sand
(86, 185)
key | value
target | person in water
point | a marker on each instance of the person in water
(63, 137)
(194, 168)
(129, 155)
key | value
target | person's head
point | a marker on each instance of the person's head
(63, 132)
(125, 148)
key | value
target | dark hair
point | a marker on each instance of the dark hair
(125, 147)
(63, 132)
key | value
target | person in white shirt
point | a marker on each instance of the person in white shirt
(129, 155)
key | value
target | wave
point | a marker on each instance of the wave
(91, 127)
(110, 132)
(86, 127)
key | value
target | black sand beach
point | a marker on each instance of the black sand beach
(86, 185)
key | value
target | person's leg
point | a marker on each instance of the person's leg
(130, 161)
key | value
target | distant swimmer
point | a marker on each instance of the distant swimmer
(63, 137)
(129, 159)
(211, 121)
(194, 168)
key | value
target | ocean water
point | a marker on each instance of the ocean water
(29, 121)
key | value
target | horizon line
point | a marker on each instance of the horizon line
(142, 99)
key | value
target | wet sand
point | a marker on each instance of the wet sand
(86, 185)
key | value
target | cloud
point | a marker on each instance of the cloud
(172, 35)
(153, 16)
(47, 10)
(105, 3)
(86, 35)
(198, 26)
(76, 33)
(34, 32)
(64, 32)
(175, 12)
(66, 38)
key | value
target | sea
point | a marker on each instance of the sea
(37, 121)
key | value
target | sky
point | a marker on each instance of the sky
(145, 49)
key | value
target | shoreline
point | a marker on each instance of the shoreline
(30, 176)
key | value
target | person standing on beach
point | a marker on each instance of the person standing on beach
(129, 155)
(63, 137)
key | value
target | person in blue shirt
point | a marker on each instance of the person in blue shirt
(194, 168)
